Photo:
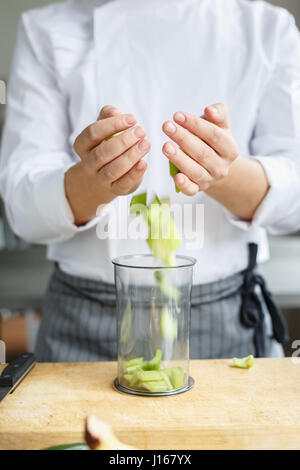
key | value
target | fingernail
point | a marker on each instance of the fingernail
(130, 119)
(215, 110)
(169, 149)
(179, 117)
(143, 146)
(138, 132)
(170, 127)
(140, 166)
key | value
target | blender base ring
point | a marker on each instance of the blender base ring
(168, 393)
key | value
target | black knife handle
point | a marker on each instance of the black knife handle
(17, 369)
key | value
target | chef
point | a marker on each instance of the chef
(213, 87)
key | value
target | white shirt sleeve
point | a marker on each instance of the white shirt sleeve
(35, 150)
(276, 139)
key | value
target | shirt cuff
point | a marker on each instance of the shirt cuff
(282, 200)
(53, 206)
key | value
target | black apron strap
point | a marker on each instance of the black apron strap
(251, 314)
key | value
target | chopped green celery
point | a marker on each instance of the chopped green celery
(131, 370)
(154, 387)
(166, 379)
(243, 363)
(175, 375)
(168, 325)
(125, 328)
(138, 361)
(138, 204)
(173, 172)
(149, 375)
(166, 288)
(114, 135)
(154, 364)
(128, 378)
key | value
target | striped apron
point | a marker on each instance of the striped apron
(233, 317)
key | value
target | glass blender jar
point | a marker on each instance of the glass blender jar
(153, 308)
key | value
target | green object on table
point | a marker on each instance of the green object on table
(244, 363)
(173, 172)
(70, 447)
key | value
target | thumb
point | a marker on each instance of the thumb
(107, 112)
(218, 114)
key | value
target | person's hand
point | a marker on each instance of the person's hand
(108, 168)
(202, 163)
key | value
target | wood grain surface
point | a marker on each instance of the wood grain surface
(227, 409)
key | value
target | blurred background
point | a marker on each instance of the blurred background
(24, 271)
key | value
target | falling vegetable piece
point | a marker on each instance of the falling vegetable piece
(138, 204)
(244, 363)
(163, 238)
(166, 288)
(168, 325)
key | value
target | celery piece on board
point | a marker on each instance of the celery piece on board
(244, 363)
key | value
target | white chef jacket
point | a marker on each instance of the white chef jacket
(151, 58)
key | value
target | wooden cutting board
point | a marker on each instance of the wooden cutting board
(227, 409)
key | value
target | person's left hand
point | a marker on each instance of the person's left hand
(202, 163)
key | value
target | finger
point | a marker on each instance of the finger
(113, 148)
(214, 136)
(108, 111)
(195, 148)
(131, 181)
(218, 114)
(186, 186)
(94, 134)
(195, 172)
(123, 164)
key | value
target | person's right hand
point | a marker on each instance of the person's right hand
(108, 168)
